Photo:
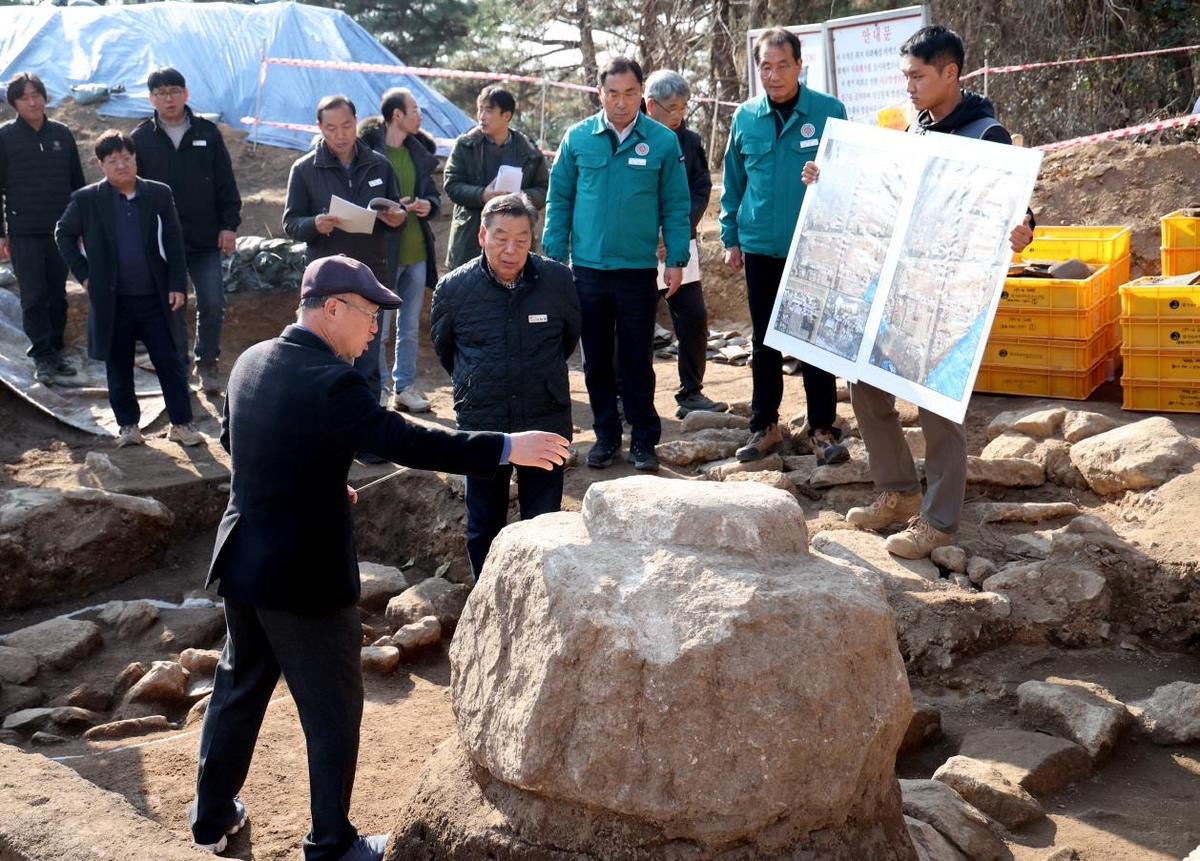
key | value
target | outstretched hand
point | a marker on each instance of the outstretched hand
(537, 448)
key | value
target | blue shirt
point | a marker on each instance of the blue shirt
(133, 274)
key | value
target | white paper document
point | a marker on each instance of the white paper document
(355, 219)
(899, 257)
(691, 272)
(508, 179)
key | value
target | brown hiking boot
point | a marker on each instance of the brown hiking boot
(917, 541)
(891, 506)
(827, 448)
(761, 444)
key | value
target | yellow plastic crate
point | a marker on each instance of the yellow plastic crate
(1162, 364)
(1073, 324)
(1141, 299)
(1180, 261)
(1181, 229)
(1061, 293)
(1034, 382)
(1048, 353)
(1161, 397)
(1105, 244)
(1161, 333)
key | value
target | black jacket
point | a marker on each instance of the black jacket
(38, 171)
(373, 132)
(975, 116)
(90, 216)
(200, 174)
(314, 179)
(506, 350)
(295, 414)
(695, 162)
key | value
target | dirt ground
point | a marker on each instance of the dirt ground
(1140, 807)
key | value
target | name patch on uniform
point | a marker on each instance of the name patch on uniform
(537, 318)
(375, 182)
(200, 143)
(811, 143)
(637, 161)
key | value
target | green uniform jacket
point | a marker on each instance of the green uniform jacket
(607, 202)
(763, 189)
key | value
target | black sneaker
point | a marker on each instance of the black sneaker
(63, 368)
(43, 371)
(642, 456)
(602, 453)
(696, 401)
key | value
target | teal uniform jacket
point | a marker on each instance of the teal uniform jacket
(606, 206)
(763, 189)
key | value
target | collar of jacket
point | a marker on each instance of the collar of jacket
(600, 126)
(187, 112)
(530, 274)
(139, 187)
(325, 158)
(300, 334)
(761, 106)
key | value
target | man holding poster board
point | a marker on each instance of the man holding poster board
(931, 61)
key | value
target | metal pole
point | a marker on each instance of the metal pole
(262, 78)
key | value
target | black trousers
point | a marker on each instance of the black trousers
(320, 657)
(142, 318)
(689, 316)
(618, 308)
(42, 280)
(539, 491)
(763, 274)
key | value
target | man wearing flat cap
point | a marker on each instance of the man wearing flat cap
(296, 411)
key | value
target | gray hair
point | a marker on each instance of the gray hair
(309, 303)
(517, 204)
(666, 84)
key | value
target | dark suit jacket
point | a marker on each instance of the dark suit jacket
(90, 217)
(295, 414)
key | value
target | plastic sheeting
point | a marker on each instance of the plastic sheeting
(217, 47)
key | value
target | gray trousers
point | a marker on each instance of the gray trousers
(892, 466)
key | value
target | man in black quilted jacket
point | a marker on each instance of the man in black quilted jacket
(503, 326)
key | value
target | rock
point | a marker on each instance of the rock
(1007, 472)
(721, 470)
(129, 618)
(1037, 422)
(741, 437)
(915, 437)
(198, 688)
(129, 677)
(1171, 715)
(89, 697)
(924, 726)
(1009, 445)
(191, 628)
(99, 470)
(1132, 457)
(969, 830)
(14, 698)
(701, 419)
(380, 584)
(432, 597)
(201, 662)
(11, 737)
(983, 786)
(950, 557)
(930, 844)
(962, 581)
(1055, 457)
(59, 643)
(1066, 603)
(621, 634)
(17, 666)
(165, 682)
(426, 631)
(794, 462)
(380, 659)
(28, 721)
(1064, 853)
(46, 739)
(1082, 713)
(856, 470)
(1040, 764)
(128, 728)
(1081, 424)
(74, 719)
(684, 452)
(64, 543)
(196, 712)
(1024, 512)
(778, 480)
(980, 568)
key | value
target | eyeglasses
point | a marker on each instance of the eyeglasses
(121, 160)
(374, 315)
(171, 93)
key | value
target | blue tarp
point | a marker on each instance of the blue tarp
(217, 47)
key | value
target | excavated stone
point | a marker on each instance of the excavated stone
(1055, 457)
(969, 830)
(164, 682)
(432, 597)
(14, 698)
(930, 844)
(1009, 445)
(28, 721)
(201, 662)
(129, 618)
(1023, 512)
(74, 719)
(426, 631)
(985, 787)
(129, 677)
(979, 568)
(58, 644)
(950, 557)
(778, 480)
(194, 627)
(380, 659)
(1006, 472)
(1068, 603)
(1082, 713)
(722, 469)
(1080, 424)
(17, 666)
(685, 452)
(924, 727)
(1037, 422)
(128, 728)
(1132, 457)
(702, 419)
(1040, 764)
(89, 697)
(380, 584)
(1171, 715)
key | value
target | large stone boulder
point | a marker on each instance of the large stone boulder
(618, 688)
(1143, 454)
(55, 544)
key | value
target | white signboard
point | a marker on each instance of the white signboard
(864, 51)
(898, 259)
(813, 67)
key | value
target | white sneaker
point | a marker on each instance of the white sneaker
(129, 435)
(239, 821)
(185, 434)
(410, 400)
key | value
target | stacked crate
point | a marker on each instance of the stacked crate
(1055, 337)
(1161, 323)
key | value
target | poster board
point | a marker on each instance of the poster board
(814, 71)
(864, 56)
(898, 259)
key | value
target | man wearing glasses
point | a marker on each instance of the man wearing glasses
(187, 152)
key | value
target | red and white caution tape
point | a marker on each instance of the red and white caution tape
(1124, 133)
(1000, 70)
(316, 130)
